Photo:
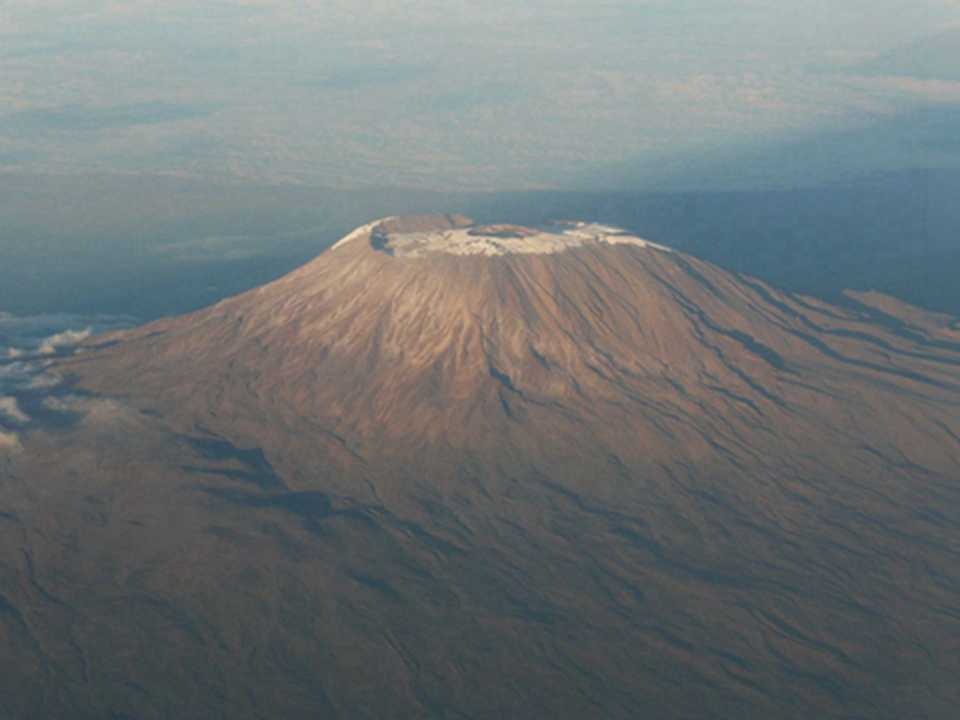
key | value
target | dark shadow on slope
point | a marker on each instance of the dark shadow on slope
(257, 469)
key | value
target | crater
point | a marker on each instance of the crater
(502, 232)
(456, 235)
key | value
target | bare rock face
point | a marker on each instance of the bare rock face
(448, 470)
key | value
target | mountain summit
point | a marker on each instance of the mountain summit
(431, 330)
(449, 470)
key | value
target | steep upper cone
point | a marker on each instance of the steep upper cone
(572, 335)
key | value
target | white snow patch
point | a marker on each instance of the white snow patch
(505, 240)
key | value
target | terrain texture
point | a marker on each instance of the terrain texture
(458, 471)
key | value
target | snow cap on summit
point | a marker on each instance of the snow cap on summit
(456, 235)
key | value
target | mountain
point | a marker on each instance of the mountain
(449, 470)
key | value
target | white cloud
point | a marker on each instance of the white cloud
(65, 339)
(11, 412)
(16, 375)
(32, 340)
(13, 327)
(27, 375)
(9, 442)
(44, 381)
(94, 411)
(27, 370)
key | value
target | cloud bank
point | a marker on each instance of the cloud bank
(32, 394)
(440, 94)
(36, 335)
(66, 339)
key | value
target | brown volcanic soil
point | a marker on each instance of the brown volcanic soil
(608, 482)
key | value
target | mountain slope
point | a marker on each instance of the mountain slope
(643, 348)
(457, 471)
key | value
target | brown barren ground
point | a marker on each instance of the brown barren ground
(609, 482)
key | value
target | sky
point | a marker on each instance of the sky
(451, 94)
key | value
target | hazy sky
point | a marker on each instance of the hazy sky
(456, 94)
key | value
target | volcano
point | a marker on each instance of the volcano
(450, 470)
